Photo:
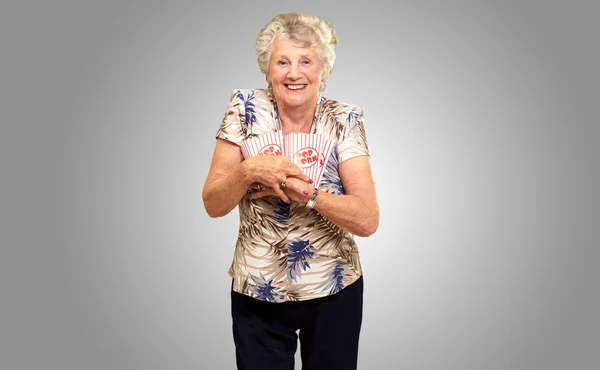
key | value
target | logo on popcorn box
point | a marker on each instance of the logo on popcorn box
(322, 160)
(271, 149)
(306, 157)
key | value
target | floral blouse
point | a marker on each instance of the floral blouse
(287, 252)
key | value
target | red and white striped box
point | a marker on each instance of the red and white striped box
(309, 152)
(267, 144)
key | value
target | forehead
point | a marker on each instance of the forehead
(292, 48)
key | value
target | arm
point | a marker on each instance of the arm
(357, 211)
(226, 182)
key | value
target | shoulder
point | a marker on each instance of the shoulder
(340, 109)
(250, 95)
(342, 113)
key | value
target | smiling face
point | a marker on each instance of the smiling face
(295, 72)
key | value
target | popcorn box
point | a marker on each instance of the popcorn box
(267, 144)
(309, 152)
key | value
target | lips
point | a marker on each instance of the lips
(296, 87)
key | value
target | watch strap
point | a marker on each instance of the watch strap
(313, 199)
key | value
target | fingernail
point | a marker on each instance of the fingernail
(304, 192)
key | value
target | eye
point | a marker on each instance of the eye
(282, 62)
(306, 62)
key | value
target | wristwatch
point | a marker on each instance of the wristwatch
(313, 199)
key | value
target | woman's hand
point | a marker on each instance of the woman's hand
(297, 190)
(271, 172)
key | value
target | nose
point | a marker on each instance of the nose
(293, 73)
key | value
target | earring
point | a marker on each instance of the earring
(270, 92)
(323, 86)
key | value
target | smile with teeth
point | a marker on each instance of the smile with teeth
(295, 87)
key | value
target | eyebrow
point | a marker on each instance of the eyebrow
(286, 57)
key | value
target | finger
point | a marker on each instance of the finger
(297, 186)
(261, 194)
(297, 172)
(295, 196)
(279, 192)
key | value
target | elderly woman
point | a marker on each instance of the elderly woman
(296, 266)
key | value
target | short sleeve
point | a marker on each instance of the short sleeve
(232, 127)
(353, 141)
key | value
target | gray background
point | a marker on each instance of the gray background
(483, 125)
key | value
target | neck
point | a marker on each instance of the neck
(297, 119)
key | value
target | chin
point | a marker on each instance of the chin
(296, 102)
(299, 99)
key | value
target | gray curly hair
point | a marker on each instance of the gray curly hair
(305, 28)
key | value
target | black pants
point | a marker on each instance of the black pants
(265, 333)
